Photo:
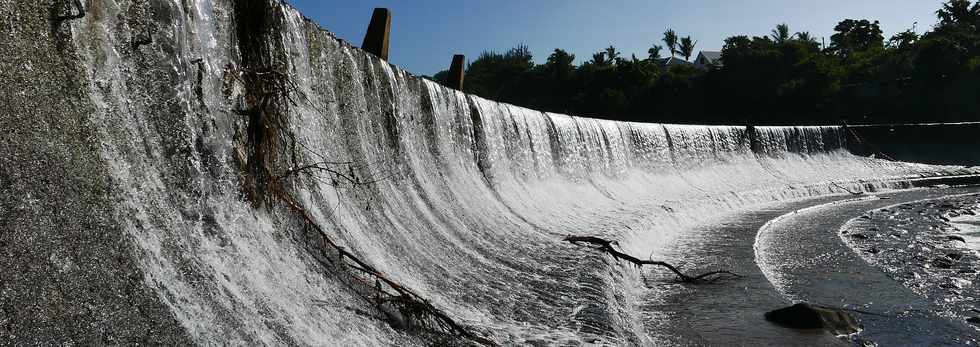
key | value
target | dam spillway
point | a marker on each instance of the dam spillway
(146, 148)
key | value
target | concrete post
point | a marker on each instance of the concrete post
(456, 72)
(376, 38)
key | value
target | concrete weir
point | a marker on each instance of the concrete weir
(218, 172)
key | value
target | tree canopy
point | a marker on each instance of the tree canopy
(783, 78)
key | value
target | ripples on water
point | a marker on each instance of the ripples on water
(897, 266)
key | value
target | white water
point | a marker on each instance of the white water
(472, 199)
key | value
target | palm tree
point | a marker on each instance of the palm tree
(781, 33)
(599, 59)
(655, 52)
(687, 47)
(804, 36)
(670, 38)
(612, 54)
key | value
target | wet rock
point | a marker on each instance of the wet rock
(859, 236)
(949, 285)
(873, 250)
(942, 263)
(973, 320)
(807, 316)
(955, 256)
(956, 238)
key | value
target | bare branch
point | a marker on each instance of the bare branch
(389, 292)
(606, 246)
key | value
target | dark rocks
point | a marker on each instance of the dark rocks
(955, 256)
(956, 238)
(973, 320)
(942, 263)
(859, 236)
(807, 316)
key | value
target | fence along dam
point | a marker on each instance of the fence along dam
(227, 172)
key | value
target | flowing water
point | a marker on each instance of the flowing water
(899, 300)
(462, 199)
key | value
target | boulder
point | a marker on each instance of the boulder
(808, 316)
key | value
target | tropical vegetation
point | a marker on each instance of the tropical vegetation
(783, 78)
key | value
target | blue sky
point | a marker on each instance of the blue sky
(426, 33)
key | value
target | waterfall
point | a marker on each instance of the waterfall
(462, 199)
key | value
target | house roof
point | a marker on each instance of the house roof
(713, 57)
(672, 61)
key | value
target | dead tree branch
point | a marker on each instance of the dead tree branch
(607, 247)
(409, 304)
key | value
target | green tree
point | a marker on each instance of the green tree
(687, 47)
(904, 40)
(599, 59)
(854, 36)
(500, 76)
(670, 39)
(781, 34)
(804, 36)
(612, 55)
(560, 64)
(959, 12)
(654, 52)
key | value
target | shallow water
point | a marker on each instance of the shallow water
(804, 256)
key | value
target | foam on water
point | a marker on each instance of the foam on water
(471, 201)
(969, 229)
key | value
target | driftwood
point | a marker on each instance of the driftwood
(606, 246)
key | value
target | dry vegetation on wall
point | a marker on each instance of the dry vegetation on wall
(272, 162)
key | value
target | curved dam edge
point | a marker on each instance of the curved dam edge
(138, 186)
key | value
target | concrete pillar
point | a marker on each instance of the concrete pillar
(456, 72)
(376, 38)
